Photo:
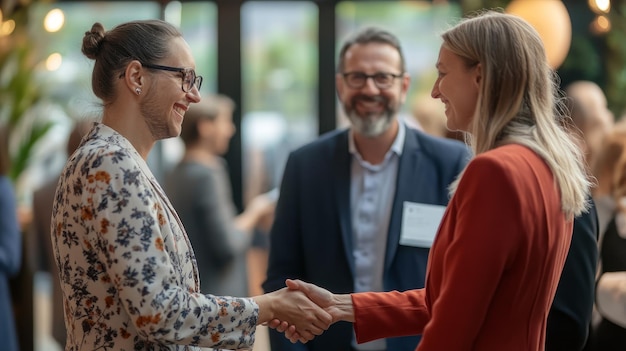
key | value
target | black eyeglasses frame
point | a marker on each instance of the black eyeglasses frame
(197, 80)
(365, 77)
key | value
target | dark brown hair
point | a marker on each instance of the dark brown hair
(371, 35)
(146, 41)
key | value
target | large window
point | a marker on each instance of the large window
(198, 22)
(279, 82)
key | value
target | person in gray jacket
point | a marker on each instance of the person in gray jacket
(200, 190)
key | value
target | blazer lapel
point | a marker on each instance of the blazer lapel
(409, 183)
(342, 163)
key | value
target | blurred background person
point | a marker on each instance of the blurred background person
(591, 116)
(592, 122)
(200, 190)
(40, 226)
(10, 250)
(570, 318)
(610, 333)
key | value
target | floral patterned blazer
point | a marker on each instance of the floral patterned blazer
(127, 270)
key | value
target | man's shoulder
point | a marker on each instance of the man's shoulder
(438, 147)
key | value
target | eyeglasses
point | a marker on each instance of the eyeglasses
(357, 80)
(189, 76)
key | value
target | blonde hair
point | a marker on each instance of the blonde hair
(518, 102)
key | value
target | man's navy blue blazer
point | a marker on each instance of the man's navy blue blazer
(311, 238)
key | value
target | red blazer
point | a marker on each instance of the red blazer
(493, 268)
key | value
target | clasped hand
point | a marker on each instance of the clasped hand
(335, 307)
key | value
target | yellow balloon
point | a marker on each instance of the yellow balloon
(551, 20)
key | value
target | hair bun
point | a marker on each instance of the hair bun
(93, 41)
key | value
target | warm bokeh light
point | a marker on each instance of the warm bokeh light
(54, 61)
(551, 20)
(54, 21)
(600, 25)
(600, 6)
(0, 15)
(7, 28)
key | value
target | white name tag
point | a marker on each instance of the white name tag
(420, 223)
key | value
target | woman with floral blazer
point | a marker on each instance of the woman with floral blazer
(127, 270)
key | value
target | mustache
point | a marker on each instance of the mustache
(369, 98)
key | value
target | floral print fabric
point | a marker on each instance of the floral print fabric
(128, 272)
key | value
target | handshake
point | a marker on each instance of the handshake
(303, 310)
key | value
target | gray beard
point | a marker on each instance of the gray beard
(371, 125)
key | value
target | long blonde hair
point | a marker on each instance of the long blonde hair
(518, 101)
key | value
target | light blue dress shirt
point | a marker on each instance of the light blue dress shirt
(372, 191)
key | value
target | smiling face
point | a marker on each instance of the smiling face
(371, 110)
(165, 103)
(458, 87)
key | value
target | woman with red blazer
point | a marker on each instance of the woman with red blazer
(496, 261)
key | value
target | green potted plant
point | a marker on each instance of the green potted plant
(20, 94)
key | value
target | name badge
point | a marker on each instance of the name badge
(420, 223)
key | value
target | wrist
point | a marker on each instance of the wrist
(345, 308)
(266, 307)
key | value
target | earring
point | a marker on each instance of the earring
(138, 91)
